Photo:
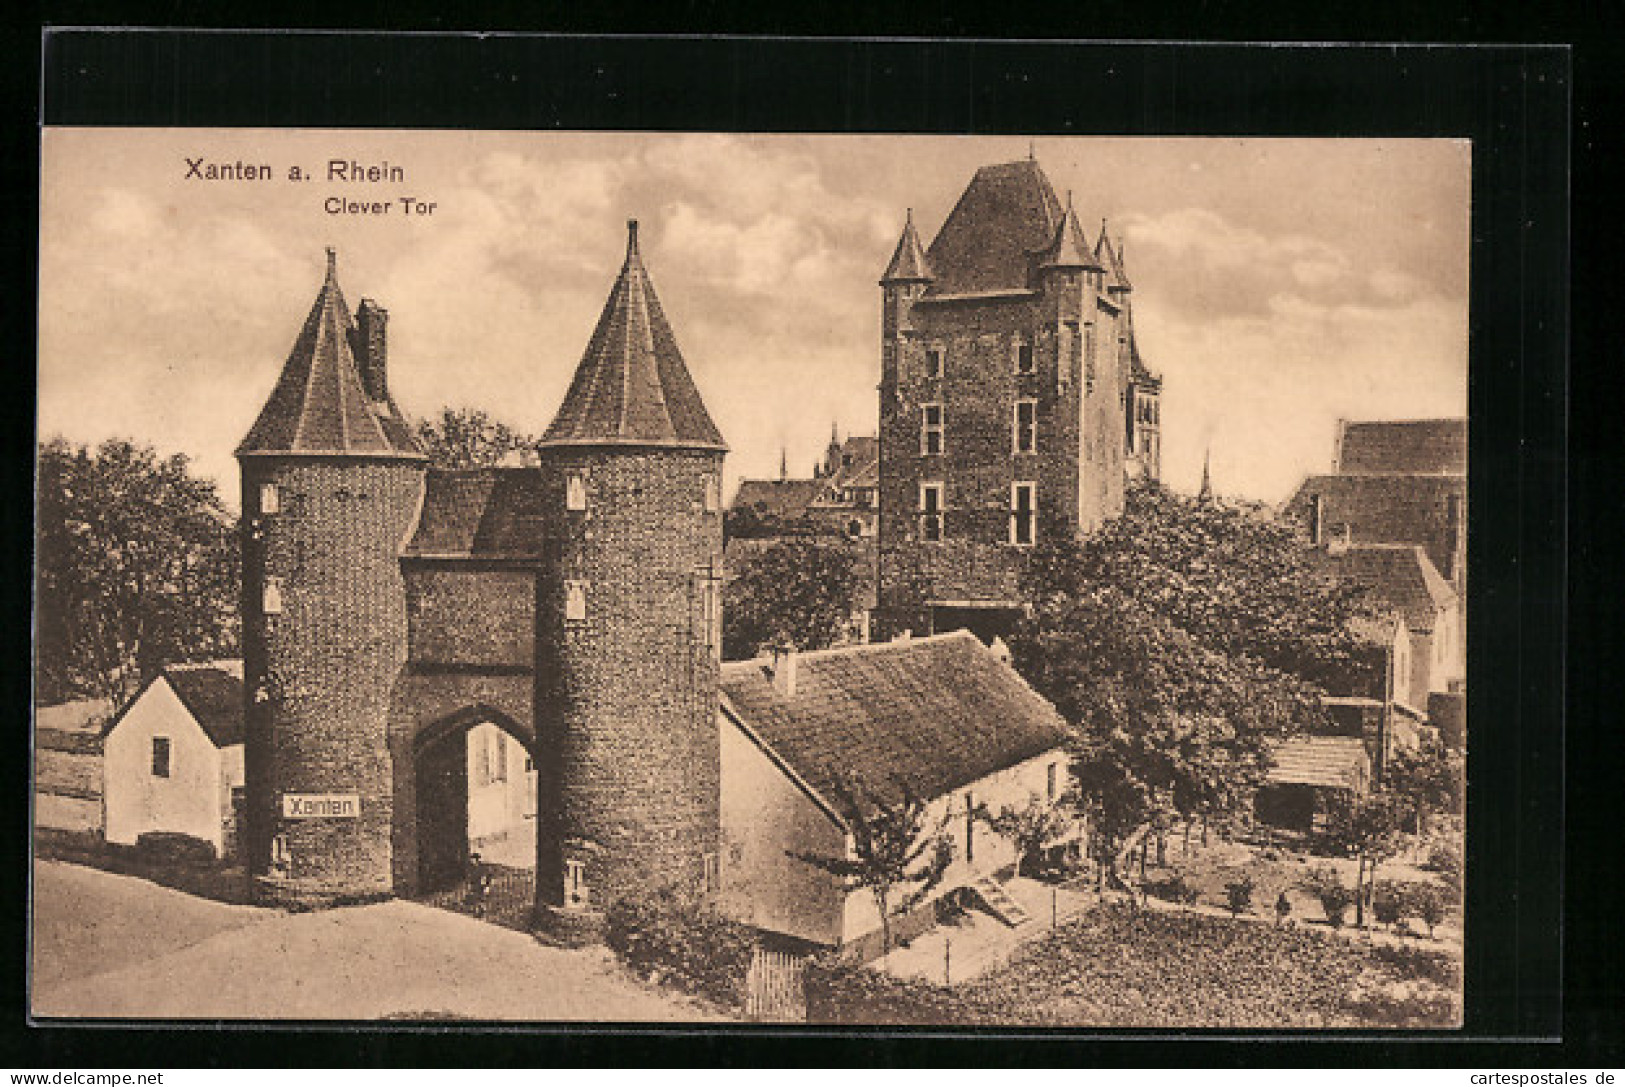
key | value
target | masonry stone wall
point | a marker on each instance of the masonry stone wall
(466, 613)
(319, 673)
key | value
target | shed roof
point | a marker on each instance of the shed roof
(1419, 446)
(1336, 762)
(929, 715)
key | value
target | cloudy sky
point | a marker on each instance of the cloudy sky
(1279, 284)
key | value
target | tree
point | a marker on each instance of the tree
(799, 592)
(1029, 827)
(1367, 829)
(1431, 780)
(470, 438)
(137, 567)
(892, 847)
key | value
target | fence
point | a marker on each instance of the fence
(504, 896)
(776, 988)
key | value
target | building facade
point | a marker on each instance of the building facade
(1013, 401)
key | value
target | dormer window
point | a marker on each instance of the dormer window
(270, 498)
(575, 491)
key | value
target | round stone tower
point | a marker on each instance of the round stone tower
(630, 621)
(332, 483)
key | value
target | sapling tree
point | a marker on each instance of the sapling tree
(1029, 828)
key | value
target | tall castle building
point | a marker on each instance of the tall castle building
(1013, 400)
(389, 607)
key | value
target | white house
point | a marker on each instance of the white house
(172, 758)
(501, 798)
(944, 717)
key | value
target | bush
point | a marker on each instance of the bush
(169, 847)
(1390, 901)
(842, 992)
(676, 939)
(1428, 905)
(1445, 859)
(1238, 896)
(1334, 895)
(1172, 889)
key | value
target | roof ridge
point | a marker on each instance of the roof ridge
(863, 647)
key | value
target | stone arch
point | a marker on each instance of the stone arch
(428, 714)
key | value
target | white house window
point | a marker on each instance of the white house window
(1023, 511)
(1024, 437)
(270, 498)
(575, 601)
(931, 511)
(271, 603)
(160, 756)
(713, 873)
(933, 362)
(575, 491)
(1023, 357)
(713, 496)
(930, 429)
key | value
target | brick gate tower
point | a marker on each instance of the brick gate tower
(629, 619)
(331, 485)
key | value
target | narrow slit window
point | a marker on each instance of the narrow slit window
(931, 511)
(270, 498)
(933, 362)
(713, 495)
(160, 756)
(1023, 357)
(931, 428)
(575, 601)
(271, 602)
(1022, 514)
(575, 491)
(1025, 436)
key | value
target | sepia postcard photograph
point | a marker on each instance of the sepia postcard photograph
(751, 578)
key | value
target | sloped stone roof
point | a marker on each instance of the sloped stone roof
(632, 386)
(1416, 446)
(1004, 221)
(1388, 508)
(1402, 577)
(481, 513)
(929, 715)
(319, 406)
(908, 261)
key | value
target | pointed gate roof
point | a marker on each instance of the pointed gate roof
(319, 406)
(632, 386)
(908, 261)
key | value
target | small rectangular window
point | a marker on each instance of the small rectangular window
(575, 883)
(710, 612)
(931, 511)
(933, 362)
(575, 601)
(271, 604)
(160, 756)
(270, 498)
(1049, 783)
(575, 491)
(713, 494)
(931, 428)
(1022, 514)
(712, 874)
(1024, 438)
(1024, 357)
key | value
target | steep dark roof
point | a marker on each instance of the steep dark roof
(908, 260)
(319, 405)
(213, 695)
(1111, 261)
(1402, 577)
(1336, 762)
(1069, 248)
(783, 498)
(481, 513)
(632, 386)
(1387, 509)
(929, 714)
(1005, 219)
(1421, 446)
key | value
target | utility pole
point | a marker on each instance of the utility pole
(947, 960)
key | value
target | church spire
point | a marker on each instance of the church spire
(1206, 493)
(908, 263)
(632, 386)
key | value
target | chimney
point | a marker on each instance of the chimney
(371, 351)
(784, 667)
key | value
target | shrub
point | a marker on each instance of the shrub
(1172, 889)
(840, 991)
(169, 847)
(1335, 896)
(685, 942)
(1445, 859)
(1238, 896)
(1390, 901)
(1428, 904)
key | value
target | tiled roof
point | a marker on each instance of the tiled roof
(632, 386)
(1111, 260)
(1387, 509)
(1005, 219)
(213, 695)
(1337, 762)
(1376, 630)
(1402, 577)
(319, 405)
(1069, 248)
(908, 261)
(481, 513)
(783, 498)
(929, 714)
(1421, 446)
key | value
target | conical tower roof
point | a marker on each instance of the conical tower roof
(319, 406)
(632, 386)
(908, 262)
(1070, 248)
(1111, 261)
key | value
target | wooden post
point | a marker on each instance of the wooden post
(947, 960)
(1052, 907)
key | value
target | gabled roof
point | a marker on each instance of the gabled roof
(481, 513)
(1389, 508)
(1335, 762)
(632, 386)
(929, 715)
(319, 405)
(782, 498)
(1111, 260)
(1004, 220)
(1420, 446)
(908, 260)
(212, 693)
(1402, 577)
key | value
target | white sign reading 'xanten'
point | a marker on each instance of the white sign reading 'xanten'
(321, 806)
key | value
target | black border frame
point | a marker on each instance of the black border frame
(1512, 101)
